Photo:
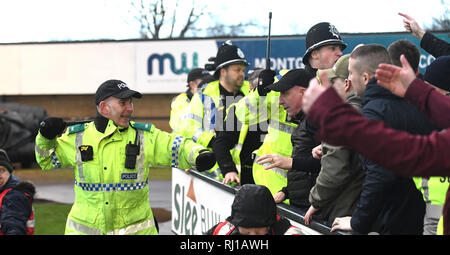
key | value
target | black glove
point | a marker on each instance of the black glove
(51, 127)
(211, 142)
(265, 78)
(205, 160)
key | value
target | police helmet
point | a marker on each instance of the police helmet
(319, 35)
(227, 54)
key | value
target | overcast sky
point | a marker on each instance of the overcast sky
(65, 20)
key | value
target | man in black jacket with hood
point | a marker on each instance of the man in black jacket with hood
(16, 197)
(254, 212)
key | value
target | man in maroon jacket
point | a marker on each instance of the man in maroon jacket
(410, 155)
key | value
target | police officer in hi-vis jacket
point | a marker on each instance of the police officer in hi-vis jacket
(111, 156)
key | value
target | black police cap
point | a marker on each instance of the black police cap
(115, 88)
(197, 73)
(296, 77)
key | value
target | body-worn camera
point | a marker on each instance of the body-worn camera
(131, 152)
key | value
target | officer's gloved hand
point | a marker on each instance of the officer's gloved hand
(211, 142)
(52, 126)
(265, 78)
(205, 160)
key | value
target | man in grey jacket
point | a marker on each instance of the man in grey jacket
(340, 180)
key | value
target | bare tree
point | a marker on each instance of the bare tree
(222, 30)
(191, 20)
(154, 15)
(443, 22)
(158, 19)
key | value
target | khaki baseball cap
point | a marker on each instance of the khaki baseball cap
(340, 69)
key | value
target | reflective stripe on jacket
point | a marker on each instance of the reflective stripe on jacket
(200, 123)
(178, 109)
(246, 112)
(433, 189)
(277, 141)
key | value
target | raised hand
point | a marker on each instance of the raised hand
(396, 79)
(412, 26)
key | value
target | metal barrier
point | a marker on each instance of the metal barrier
(295, 215)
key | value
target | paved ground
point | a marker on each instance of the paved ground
(160, 199)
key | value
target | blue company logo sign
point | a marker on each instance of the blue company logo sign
(160, 60)
(287, 52)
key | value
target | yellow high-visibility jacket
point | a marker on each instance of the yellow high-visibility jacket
(110, 198)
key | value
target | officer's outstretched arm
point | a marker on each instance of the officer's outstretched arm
(168, 149)
(55, 153)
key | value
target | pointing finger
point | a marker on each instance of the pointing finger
(405, 15)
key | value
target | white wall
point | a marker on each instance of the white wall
(79, 68)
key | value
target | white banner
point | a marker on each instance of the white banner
(196, 204)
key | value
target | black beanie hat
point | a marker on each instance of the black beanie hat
(437, 73)
(4, 161)
(253, 207)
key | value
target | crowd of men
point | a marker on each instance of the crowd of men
(260, 134)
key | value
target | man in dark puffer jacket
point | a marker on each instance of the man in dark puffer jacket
(16, 197)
